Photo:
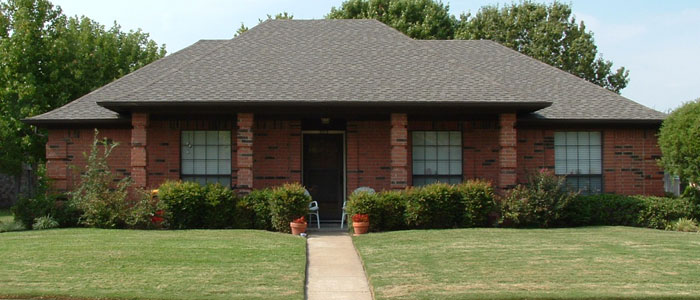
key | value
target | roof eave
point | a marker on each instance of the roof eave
(589, 122)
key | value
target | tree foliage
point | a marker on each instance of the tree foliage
(679, 140)
(548, 33)
(48, 59)
(280, 16)
(419, 19)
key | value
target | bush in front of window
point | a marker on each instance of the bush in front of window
(436, 205)
(220, 206)
(253, 211)
(479, 203)
(385, 209)
(540, 203)
(184, 203)
(288, 202)
(603, 209)
(660, 212)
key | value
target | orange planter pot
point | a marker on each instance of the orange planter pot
(298, 228)
(360, 227)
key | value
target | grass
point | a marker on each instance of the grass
(574, 263)
(187, 264)
(6, 216)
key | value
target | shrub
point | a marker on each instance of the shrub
(479, 202)
(143, 211)
(12, 226)
(220, 205)
(604, 209)
(659, 212)
(685, 225)
(27, 209)
(679, 142)
(540, 203)
(385, 209)
(184, 203)
(103, 204)
(45, 222)
(434, 206)
(253, 210)
(288, 202)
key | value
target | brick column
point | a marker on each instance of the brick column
(57, 159)
(139, 141)
(507, 155)
(399, 151)
(244, 152)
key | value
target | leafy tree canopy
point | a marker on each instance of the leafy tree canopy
(679, 140)
(279, 16)
(419, 19)
(48, 59)
(546, 32)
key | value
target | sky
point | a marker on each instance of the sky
(658, 41)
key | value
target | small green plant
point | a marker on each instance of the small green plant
(685, 225)
(102, 202)
(288, 202)
(12, 226)
(540, 203)
(45, 222)
(659, 212)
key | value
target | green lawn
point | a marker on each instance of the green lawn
(6, 215)
(188, 264)
(575, 263)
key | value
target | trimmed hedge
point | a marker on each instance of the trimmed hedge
(288, 202)
(190, 205)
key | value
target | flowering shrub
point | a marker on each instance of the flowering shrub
(540, 203)
(358, 218)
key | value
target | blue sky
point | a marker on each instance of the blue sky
(658, 41)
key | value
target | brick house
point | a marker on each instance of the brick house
(339, 104)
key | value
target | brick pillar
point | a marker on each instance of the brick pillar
(139, 141)
(507, 155)
(57, 159)
(244, 161)
(399, 151)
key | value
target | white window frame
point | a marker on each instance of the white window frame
(578, 155)
(437, 156)
(205, 156)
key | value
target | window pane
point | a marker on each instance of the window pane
(443, 138)
(418, 138)
(418, 167)
(200, 167)
(431, 167)
(431, 138)
(431, 152)
(455, 179)
(560, 167)
(583, 138)
(571, 152)
(583, 167)
(187, 167)
(455, 153)
(186, 138)
(559, 152)
(224, 167)
(200, 180)
(200, 138)
(212, 167)
(596, 167)
(225, 138)
(583, 152)
(418, 181)
(571, 167)
(455, 167)
(571, 138)
(225, 152)
(186, 152)
(212, 152)
(594, 138)
(443, 168)
(418, 152)
(596, 185)
(455, 138)
(200, 152)
(559, 138)
(595, 152)
(443, 153)
(212, 137)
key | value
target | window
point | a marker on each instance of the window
(437, 156)
(578, 156)
(206, 156)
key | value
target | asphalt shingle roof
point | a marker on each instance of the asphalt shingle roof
(352, 61)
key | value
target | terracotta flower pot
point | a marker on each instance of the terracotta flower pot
(298, 228)
(360, 227)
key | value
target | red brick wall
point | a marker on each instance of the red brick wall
(65, 148)
(276, 152)
(629, 158)
(368, 155)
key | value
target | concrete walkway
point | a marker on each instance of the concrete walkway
(335, 270)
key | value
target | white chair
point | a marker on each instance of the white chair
(344, 216)
(313, 209)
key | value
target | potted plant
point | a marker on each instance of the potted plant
(298, 226)
(360, 222)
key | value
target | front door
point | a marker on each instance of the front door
(323, 173)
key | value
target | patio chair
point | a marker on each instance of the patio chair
(344, 216)
(313, 210)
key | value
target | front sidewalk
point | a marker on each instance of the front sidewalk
(334, 269)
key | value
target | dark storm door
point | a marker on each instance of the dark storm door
(323, 172)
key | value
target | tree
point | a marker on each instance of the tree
(279, 16)
(548, 33)
(48, 59)
(679, 140)
(419, 19)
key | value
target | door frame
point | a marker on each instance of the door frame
(345, 177)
